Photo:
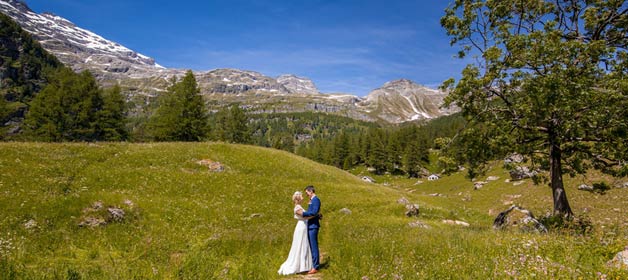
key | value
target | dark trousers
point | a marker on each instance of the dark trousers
(313, 236)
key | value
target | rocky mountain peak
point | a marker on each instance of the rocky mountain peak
(297, 84)
(402, 100)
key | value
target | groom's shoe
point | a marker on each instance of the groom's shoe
(312, 271)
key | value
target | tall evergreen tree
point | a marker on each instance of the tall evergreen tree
(67, 109)
(181, 115)
(113, 115)
(237, 125)
(412, 159)
(378, 158)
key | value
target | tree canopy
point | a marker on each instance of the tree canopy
(549, 81)
(181, 115)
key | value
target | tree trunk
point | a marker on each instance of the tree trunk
(561, 205)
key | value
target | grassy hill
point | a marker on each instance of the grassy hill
(185, 222)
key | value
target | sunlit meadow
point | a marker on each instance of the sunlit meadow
(183, 221)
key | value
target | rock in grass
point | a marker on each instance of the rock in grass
(403, 201)
(412, 210)
(418, 224)
(585, 187)
(620, 260)
(455, 222)
(213, 166)
(520, 218)
(92, 222)
(345, 211)
(30, 224)
(115, 214)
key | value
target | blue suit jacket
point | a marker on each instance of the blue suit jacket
(312, 211)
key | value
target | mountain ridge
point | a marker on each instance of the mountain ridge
(143, 79)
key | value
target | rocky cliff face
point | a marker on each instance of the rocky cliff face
(79, 48)
(298, 84)
(143, 79)
(403, 100)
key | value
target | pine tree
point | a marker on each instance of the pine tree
(378, 158)
(181, 115)
(113, 115)
(67, 109)
(237, 125)
(412, 159)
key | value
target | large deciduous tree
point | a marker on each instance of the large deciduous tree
(549, 81)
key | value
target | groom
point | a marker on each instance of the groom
(313, 225)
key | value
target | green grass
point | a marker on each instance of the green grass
(188, 223)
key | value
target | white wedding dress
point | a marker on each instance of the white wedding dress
(300, 256)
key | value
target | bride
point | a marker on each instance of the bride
(300, 256)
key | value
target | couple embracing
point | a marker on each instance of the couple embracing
(304, 254)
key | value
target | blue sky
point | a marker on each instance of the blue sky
(349, 46)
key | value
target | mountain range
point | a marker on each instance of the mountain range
(142, 79)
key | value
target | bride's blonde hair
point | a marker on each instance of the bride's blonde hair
(297, 196)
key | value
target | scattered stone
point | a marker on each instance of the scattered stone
(256, 215)
(96, 206)
(585, 187)
(455, 222)
(92, 222)
(435, 194)
(522, 172)
(368, 179)
(413, 210)
(517, 217)
(621, 185)
(479, 185)
(345, 211)
(115, 214)
(213, 166)
(418, 182)
(418, 224)
(403, 201)
(30, 224)
(514, 158)
(507, 181)
(129, 203)
(517, 183)
(620, 260)
(492, 178)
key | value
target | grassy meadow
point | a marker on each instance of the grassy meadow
(185, 222)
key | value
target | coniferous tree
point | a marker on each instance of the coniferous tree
(4, 113)
(181, 115)
(113, 116)
(378, 158)
(237, 129)
(67, 109)
(412, 159)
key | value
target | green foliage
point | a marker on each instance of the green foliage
(181, 115)
(541, 87)
(113, 115)
(67, 109)
(230, 124)
(24, 68)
